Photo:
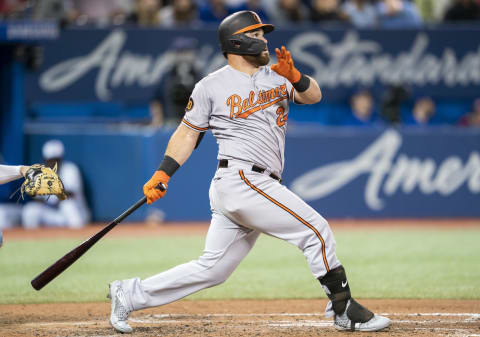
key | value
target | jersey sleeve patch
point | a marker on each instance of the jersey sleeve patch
(198, 109)
(194, 127)
(189, 104)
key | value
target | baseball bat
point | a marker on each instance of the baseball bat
(68, 259)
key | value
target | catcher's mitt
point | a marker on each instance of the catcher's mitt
(42, 180)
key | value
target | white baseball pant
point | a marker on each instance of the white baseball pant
(244, 204)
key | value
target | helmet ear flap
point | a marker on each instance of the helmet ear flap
(235, 43)
(244, 45)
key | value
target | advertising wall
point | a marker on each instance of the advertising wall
(387, 172)
(128, 63)
(339, 172)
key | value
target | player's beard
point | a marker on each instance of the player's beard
(258, 60)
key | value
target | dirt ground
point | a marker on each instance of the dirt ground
(234, 318)
(240, 318)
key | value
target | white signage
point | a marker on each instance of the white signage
(115, 67)
(348, 62)
(389, 171)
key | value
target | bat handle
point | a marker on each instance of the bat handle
(139, 203)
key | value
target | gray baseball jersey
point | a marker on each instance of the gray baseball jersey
(247, 115)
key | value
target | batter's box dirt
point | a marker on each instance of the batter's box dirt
(240, 318)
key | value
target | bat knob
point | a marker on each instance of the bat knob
(161, 187)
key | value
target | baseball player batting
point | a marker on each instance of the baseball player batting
(245, 104)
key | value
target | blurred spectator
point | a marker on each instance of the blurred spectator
(432, 10)
(398, 14)
(252, 5)
(168, 104)
(231, 3)
(463, 10)
(146, 13)
(100, 12)
(360, 12)
(422, 113)
(53, 10)
(181, 13)
(391, 102)
(288, 11)
(13, 9)
(362, 109)
(214, 11)
(326, 10)
(472, 118)
(49, 211)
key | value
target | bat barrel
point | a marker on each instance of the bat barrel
(68, 259)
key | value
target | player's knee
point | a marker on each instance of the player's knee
(326, 236)
(216, 272)
(313, 243)
(217, 276)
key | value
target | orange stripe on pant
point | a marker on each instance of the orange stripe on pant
(299, 218)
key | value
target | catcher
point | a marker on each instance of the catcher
(39, 180)
(49, 211)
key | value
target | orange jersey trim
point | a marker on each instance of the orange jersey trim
(193, 126)
(295, 215)
(247, 113)
(251, 27)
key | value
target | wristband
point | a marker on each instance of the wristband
(302, 84)
(169, 166)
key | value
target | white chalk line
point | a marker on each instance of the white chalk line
(301, 324)
(440, 314)
(321, 322)
(61, 323)
(186, 318)
(289, 323)
(476, 315)
(116, 335)
(471, 318)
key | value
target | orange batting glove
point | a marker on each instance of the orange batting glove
(284, 65)
(150, 189)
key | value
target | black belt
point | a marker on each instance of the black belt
(255, 168)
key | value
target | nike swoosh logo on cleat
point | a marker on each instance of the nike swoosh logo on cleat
(344, 284)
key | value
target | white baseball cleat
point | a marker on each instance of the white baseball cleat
(376, 323)
(120, 313)
(344, 322)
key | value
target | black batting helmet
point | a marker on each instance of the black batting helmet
(231, 33)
